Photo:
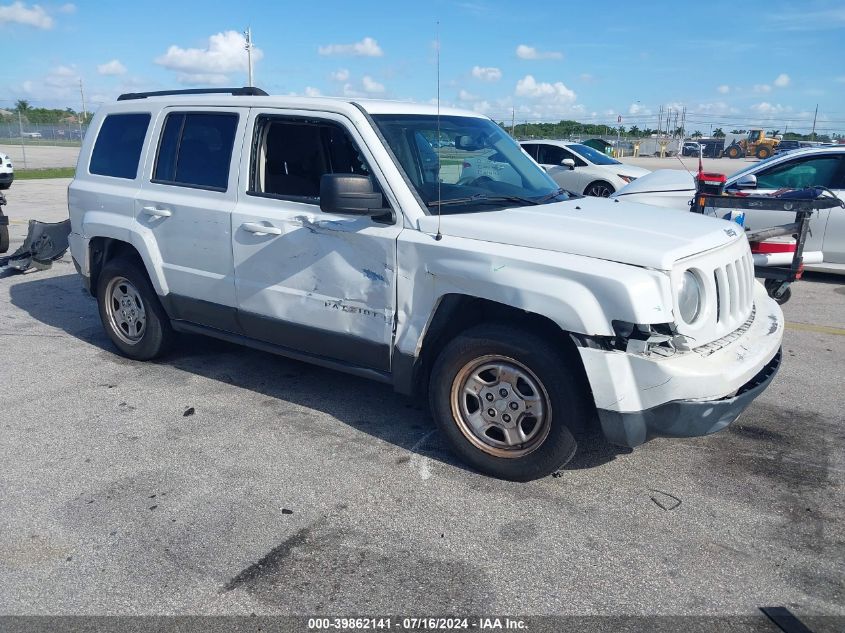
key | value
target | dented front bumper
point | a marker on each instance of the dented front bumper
(690, 393)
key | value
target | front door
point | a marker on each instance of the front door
(818, 170)
(309, 281)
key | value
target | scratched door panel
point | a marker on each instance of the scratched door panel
(321, 283)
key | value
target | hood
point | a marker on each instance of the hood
(660, 180)
(636, 234)
(630, 170)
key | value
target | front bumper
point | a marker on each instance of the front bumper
(684, 418)
(690, 393)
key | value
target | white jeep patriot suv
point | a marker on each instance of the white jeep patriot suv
(345, 233)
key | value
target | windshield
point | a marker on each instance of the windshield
(592, 155)
(471, 165)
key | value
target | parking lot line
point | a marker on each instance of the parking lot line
(818, 329)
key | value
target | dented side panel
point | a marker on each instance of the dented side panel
(581, 295)
(320, 272)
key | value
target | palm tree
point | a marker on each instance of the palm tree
(697, 134)
(718, 133)
(773, 133)
(22, 106)
(634, 131)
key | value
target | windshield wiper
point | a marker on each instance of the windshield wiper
(554, 194)
(481, 199)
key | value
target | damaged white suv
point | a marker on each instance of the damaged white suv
(343, 233)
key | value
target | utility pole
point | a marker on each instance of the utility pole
(513, 122)
(248, 47)
(81, 114)
(814, 121)
(23, 147)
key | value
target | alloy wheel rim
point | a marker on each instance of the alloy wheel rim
(501, 406)
(125, 309)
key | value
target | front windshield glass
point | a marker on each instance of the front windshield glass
(592, 155)
(471, 165)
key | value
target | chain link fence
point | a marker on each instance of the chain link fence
(13, 133)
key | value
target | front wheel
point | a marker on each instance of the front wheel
(599, 189)
(732, 152)
(506, 402)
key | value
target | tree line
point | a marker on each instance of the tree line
(46, 116)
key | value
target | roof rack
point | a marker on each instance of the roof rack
(246, 91)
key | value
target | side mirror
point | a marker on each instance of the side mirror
(349, 193)
(748, 181)
(568, 162)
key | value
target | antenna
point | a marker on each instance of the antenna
(439, 235)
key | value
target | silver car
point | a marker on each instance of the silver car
(811, 167)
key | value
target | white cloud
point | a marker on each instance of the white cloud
(762, 88)
(371, 86)
(782, 80)
(724, 89)
(114, 67)
(482, 107)
(556, 92)
(310, 91)
(19, 13)
(636, 108)
(768, 108)
(463, 95)
(224, 54)
(529, 52)
(202, 79)
(486, 73)
(341, 74)
(68, 7)
(367, 47)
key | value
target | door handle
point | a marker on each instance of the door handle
(261, 229)
(153, 212)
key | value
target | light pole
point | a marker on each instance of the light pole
(248, 47)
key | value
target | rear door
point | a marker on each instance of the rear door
(184, 210)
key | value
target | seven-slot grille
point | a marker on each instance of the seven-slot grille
(734, 291)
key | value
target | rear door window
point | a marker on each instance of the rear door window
(195, 150)
(120, 141)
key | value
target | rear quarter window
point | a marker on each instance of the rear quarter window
(120, 141)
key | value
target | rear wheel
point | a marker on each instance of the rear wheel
(599, 189)
(732, 152)
(4, 236)
(131, 312)
(506, 402)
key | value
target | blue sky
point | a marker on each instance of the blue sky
(731, 64)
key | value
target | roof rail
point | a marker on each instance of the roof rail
(246, 91)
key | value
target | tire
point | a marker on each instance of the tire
(599, 189)
(732, 152)
(4, 238)
(130, 310)
(772, 286)
(510, 370)
(763, 152)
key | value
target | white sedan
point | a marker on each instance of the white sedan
(812, 167)
(580, 168)
(7, 172)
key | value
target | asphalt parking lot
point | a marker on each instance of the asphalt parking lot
(222, 480)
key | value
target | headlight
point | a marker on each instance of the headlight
(627, 179)
(690, 296)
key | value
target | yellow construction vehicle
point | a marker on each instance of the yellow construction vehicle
(754, 144)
